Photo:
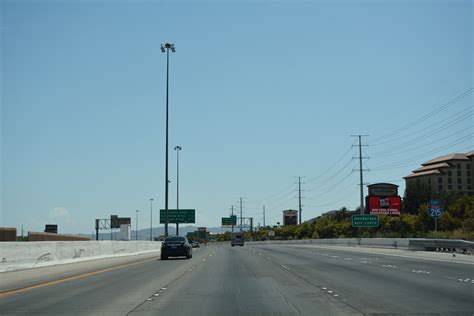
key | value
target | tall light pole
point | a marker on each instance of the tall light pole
(166, 48)
(136, 227)
(177, 148)
(151, 219)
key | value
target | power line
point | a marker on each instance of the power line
(332, 189)
(460, 116)
(389, 152)
(417, 158)
(332, 166)
(277, 207)
(271, 196)
(282, 197)
(426, 116)
(311, 180)
(338, 200)
(332, 177)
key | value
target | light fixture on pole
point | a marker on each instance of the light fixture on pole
(166, 48)
(177, 148)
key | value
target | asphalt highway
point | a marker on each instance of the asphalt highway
(249, 280)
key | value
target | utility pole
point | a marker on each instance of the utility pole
(151, 219)
(362, 210)
(232, 213)
(264, 216)
(299, 196)
(136, 226)
(240, 214)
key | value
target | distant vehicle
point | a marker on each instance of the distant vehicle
(237, 239)
(176, 246)
(195, 244)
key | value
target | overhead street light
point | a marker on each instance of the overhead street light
(166, 48)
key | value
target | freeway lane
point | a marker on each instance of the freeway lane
(260, 279)
(382, 283)
(236, 281)
(99, 287)
(303, 280)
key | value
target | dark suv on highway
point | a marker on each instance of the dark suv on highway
(176, 246)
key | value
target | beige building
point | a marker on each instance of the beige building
(449, 173)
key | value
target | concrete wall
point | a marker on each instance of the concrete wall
(40, 236)
(25, 255)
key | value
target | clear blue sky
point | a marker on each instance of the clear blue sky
(260, 92)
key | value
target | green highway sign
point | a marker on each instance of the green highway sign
(226, 221)
(229, 221)
(178, 216)
(365, 220)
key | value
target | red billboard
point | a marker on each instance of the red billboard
(385, 205)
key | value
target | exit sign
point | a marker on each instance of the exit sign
(365, 220)
(229, 221)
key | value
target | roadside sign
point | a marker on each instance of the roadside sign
(435, 210)
(229, 221)
(271, 233)
(178, 216)
(365, 220)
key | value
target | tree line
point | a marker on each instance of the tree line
(456, 222)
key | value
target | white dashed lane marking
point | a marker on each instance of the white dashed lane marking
(285, 267)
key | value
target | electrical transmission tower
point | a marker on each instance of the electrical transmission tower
(361, 170)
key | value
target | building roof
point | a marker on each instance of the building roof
(433, 166)
(469, 154)
(422, 173)
(446, 158)
(382, 183)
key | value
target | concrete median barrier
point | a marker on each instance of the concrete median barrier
(25, 255)
(395, 243)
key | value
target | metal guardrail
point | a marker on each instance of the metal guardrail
(444, 245)
(392, 243)
(415, 244)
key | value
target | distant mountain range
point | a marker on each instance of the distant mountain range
(144, 234)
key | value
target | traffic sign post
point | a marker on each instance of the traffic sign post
(435, 211)
(365, 220)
